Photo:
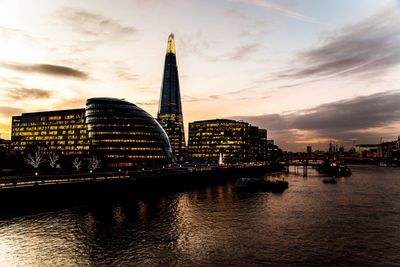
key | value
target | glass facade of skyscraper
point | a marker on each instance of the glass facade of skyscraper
(124, 135)
(170, 108)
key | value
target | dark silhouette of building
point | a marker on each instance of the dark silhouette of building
(170, 108)
(238, 141)
(5, 146)
(390, 151)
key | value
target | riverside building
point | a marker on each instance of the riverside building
(62, 130)
(116, 131)
(238, 141)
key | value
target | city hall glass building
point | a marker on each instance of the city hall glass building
(238, 141)
(125, 135)
(116, 131)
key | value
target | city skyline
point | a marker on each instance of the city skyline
(308, 72)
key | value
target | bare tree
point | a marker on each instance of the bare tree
(36, 158)
(94, 163)
(53, 158)
(77, 164)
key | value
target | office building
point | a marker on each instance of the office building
(62, 130)
(170, 108)
(238, 141)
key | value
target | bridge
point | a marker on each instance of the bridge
(303, 165)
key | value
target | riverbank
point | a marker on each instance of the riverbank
(40, 190)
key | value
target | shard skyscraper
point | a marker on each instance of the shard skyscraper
(170, 108)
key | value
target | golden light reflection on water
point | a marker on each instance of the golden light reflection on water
(118, 215)
(89, 224)
(142, 210)
(213, 225)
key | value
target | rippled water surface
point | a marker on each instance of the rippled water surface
(353, 223)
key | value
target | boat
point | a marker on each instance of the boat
(382, 164)
(260, 184)
(336, 168)
(329, 180)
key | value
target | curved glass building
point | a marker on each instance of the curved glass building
(124, 135)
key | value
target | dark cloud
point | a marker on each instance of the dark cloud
(91, 24)
(54, 70)
(377, 110)
(10, 111)
(21, 93)
(370, 47)
(364, 118)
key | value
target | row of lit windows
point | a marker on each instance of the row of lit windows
(134, 156)
(240, 125)
(119, 132)
(215, 147)
(35, 133)
(222, 128)
(130, 148)
(213, 142)
(210, 155)
(79, 142)
(125, 141)
(45, 123)
(60, 148)
(54, 137)
(96, 125)
(116, 118)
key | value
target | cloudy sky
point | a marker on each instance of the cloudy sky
(309, 71)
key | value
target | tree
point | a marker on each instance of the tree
(77, 164)
(94, 163)
(53, 158)
(36, 158)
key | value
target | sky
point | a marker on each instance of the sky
(309, 71)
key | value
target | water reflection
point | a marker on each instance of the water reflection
(354, 222)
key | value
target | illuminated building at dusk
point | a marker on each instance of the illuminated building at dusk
(237, 140)
(170, 108)
(125, 135)
(116, 131)
(62, 130)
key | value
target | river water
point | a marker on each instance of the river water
(355, 222)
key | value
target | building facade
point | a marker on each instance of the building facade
(62, 130)
(366, 151)
(170, 107)
(119, 133)
(124, 135)
(390, 151)
(238, 141)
